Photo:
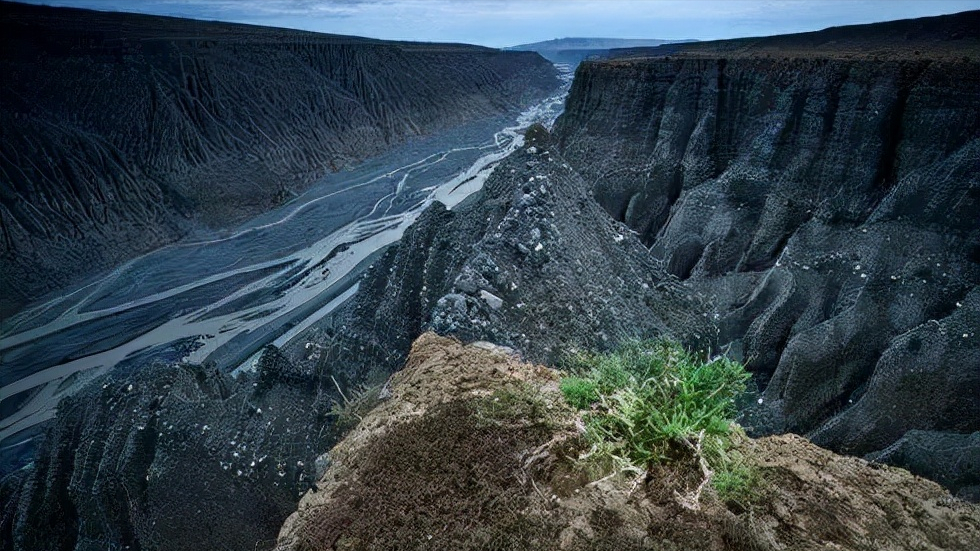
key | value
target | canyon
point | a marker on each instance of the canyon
(806, 204)
(112, 122)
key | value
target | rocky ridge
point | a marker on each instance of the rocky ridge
(530, 261)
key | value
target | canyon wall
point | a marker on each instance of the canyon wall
(122, 133)
(826, 207)
(815, 216)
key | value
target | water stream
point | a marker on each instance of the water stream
(220, 297)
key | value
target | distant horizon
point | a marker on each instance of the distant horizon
(506, 23)
(603, 38)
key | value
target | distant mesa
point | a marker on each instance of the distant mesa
(949, 37)
(575, 50)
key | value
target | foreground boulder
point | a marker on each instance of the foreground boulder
(474, 449)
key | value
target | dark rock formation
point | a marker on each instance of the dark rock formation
(826, 207)
(173, 457)
(531, 261)
(121, 132)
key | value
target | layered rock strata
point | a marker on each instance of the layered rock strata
(826, 207)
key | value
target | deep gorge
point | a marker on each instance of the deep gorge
(814, 215)
(111, 126)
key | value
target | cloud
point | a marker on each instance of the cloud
(230, 8)
(508, 22)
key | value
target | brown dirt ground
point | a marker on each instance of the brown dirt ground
(475, 450)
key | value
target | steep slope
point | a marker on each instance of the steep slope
(826, 207)
(530, 261)
(473, 449)
(171, 458)
(121, 132)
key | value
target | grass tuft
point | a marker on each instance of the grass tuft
(652, 402)
(736, 484)
(579, 392)
(520, 404)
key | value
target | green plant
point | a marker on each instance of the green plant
(736, 483)
(351, 409)
(579, 392)
(653, 402)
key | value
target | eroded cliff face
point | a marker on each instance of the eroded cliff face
(172, 458)
(827, 209)
(121, 133)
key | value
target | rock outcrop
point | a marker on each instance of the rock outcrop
(825, 205)
(123, 132)
(532, 262)
(473, 449)
(171, 458)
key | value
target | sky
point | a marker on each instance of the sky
(500, 23)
